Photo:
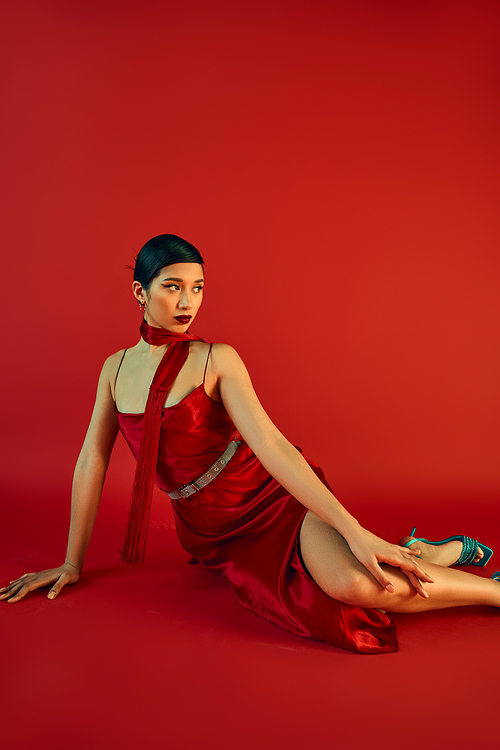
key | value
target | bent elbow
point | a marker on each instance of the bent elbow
(92, 462)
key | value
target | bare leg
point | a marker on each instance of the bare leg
(335, 569)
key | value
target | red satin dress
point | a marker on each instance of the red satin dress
(245, 524)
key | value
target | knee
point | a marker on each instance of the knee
(357, 588)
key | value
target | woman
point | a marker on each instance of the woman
(245, 500)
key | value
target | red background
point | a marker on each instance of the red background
(337, 165)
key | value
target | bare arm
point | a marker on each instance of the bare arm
(88, 481)
(91, 467)
(292, 471)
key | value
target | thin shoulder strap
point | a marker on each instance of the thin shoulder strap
(206, 363)
(116, 376)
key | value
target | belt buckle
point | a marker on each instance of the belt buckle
(187, 490)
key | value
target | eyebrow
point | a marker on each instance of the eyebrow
(174, 278)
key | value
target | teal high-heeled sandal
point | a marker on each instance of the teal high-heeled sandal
(469, 549)
(496, 576)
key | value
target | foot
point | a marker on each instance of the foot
(442, 554)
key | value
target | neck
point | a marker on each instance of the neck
(156, 337)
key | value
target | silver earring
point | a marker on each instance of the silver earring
(142, 306)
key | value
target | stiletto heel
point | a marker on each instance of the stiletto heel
(469, 549)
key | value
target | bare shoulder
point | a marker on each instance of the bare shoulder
(114, 359)
(240, 400)
(224, 350)
(109, 371)
(112, 363)
(226, 360)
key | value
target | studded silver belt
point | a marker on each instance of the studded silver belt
(189, 489)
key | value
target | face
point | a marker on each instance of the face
(174, 296)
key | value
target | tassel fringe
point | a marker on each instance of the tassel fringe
(134, 539)
(133, 545)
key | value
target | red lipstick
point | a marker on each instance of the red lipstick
(183, 319)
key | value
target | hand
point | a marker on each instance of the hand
(60, 576)
(371, 551)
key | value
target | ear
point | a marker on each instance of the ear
(138, 291)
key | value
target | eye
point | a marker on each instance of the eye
(170, 286)
(198, 289)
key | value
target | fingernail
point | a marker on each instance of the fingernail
(390, 588)
(51, 595)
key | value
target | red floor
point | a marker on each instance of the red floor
(165, 657)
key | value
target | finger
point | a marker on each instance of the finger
(10, 590)
(56, 588)
(20, 594)
(411, 551)
(22, 581)
(21, 577)
(422, 574)
(412, 566)
(382, 578)
(9, 587)
(417, 585)
(19, 589)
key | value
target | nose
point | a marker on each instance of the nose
(185, 301)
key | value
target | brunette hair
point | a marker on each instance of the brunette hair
(160, 251)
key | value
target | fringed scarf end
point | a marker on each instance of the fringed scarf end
(133, 544)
